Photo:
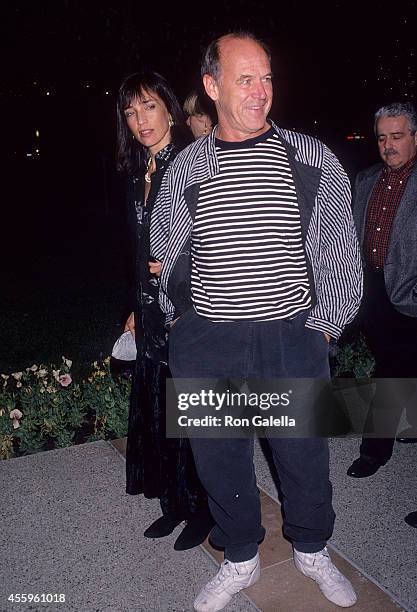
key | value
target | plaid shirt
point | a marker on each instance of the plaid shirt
(383, 205)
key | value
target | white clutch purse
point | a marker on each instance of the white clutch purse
(125, 347)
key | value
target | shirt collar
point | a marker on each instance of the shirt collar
(402, 172)
(164, 154)
(210, 147)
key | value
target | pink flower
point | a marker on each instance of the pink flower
(16, 415)
(65, 380)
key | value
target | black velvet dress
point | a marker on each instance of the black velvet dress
(155, 465)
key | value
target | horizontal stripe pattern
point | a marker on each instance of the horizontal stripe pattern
(248, 260)
(331, 244)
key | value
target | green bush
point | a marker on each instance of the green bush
(43, 408)
(354, 360)
(108, 401)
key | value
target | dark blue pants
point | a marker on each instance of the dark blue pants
(392, 338)
(202, 349)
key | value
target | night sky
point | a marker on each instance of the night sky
(332, 60)
(333, 66)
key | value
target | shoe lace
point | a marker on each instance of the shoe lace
(324, 565)
(224, 572)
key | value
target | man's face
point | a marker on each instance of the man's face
(243, 92)
(395, 142)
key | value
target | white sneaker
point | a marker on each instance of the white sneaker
(229, 580)
(332, 583)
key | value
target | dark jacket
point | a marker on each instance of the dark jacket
(400, 268)
(135, 189)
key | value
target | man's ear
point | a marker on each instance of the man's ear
(210, 86)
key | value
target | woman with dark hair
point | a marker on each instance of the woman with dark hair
(150, 132)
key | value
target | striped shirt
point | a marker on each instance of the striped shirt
(248, 260)
(329, 235)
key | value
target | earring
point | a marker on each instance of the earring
(170, 121)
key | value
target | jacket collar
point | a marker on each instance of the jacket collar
(306, 177)
(407, 207)
(210, 147)
(164, 155)
(363, 194)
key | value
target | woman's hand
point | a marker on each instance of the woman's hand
(130, 324)
(155, 267)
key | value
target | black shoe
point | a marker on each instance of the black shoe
(411, 519)
(195, 532)
(163, 526)
(361, 468)
(407, 436)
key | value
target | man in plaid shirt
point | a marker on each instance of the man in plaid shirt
(385, 212)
